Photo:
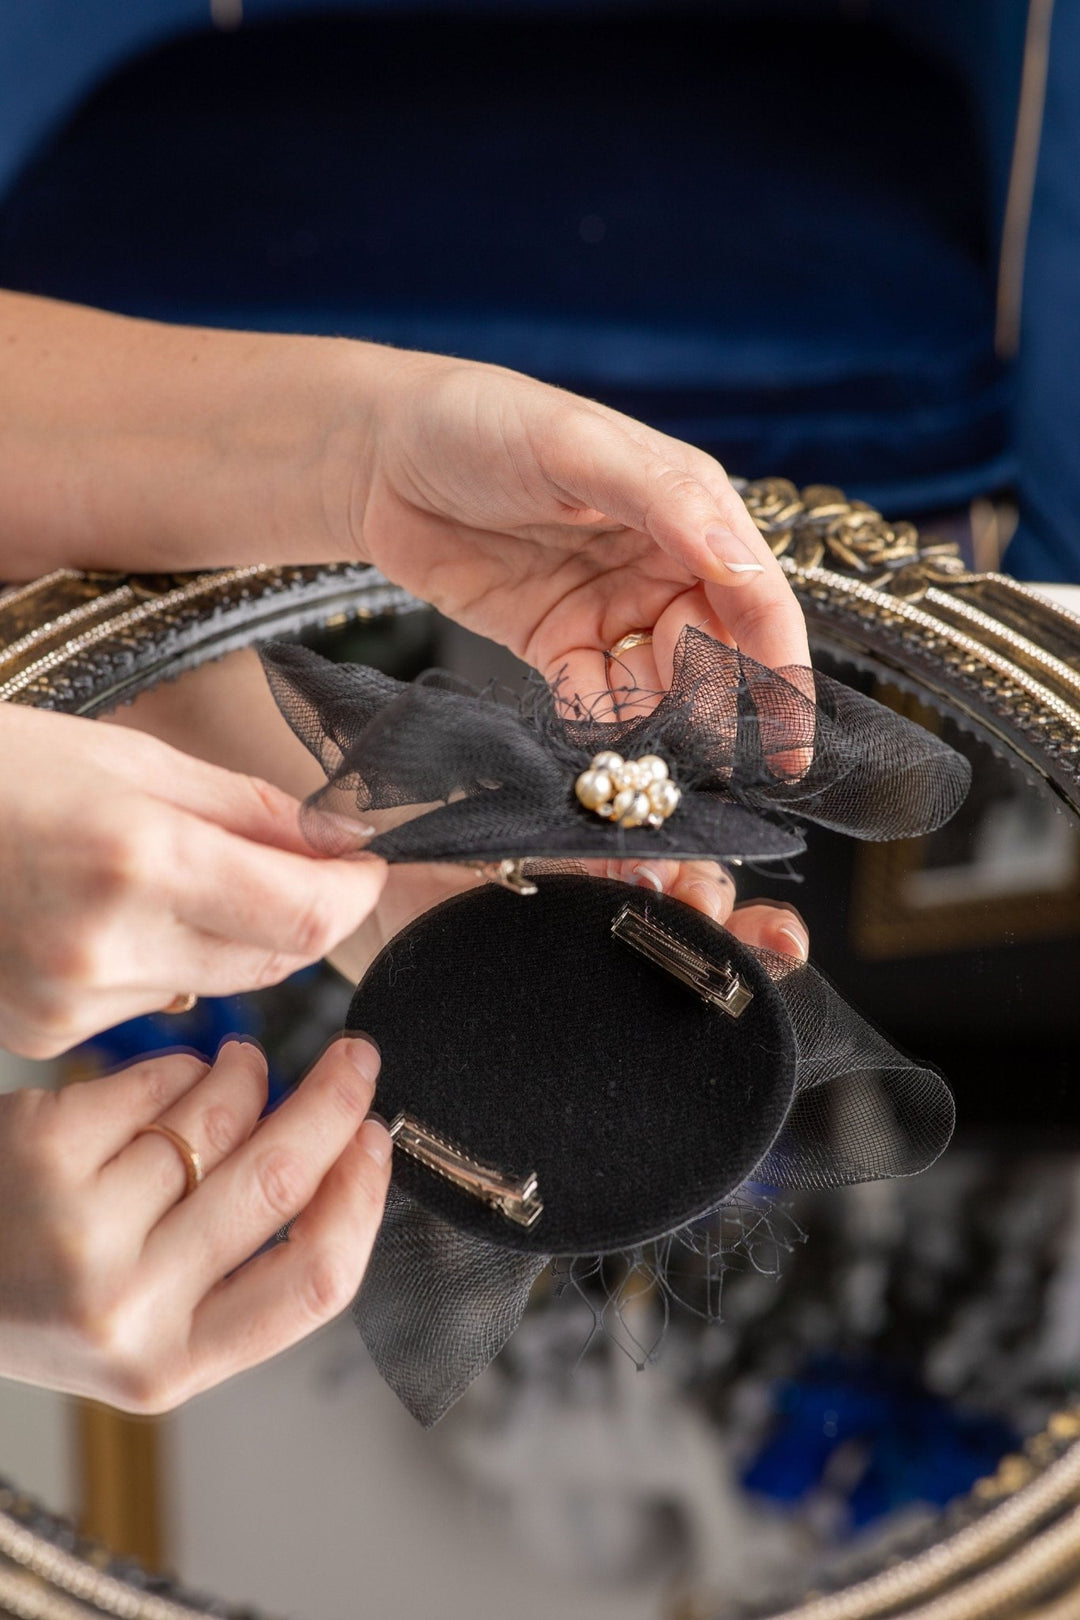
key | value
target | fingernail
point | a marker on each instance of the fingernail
(732, 551)
(799, 939)
(645, 877)
(376, 1140)
(364, 1058)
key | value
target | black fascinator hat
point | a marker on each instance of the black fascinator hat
(587, 1071)
(723, 767)
(596, 1071)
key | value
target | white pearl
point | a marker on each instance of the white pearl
(607, 761)
(655, 819)
(593, 788)
(656, 767)
(638, 813)
(622, 802)
(624, 776)
(664, 797)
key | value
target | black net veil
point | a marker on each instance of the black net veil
(438, 1301)
(434, 770)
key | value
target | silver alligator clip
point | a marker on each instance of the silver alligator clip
(518, 1200)
(716, 983)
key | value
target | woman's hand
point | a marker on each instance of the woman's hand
(556, 526)
(132, 873)
(116, 1286)
(547, 522)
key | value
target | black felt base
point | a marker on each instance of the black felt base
(522, 1031)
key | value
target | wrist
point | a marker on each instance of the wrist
(135, 445)
(362, 382)
(384, 388)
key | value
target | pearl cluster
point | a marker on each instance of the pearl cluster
(633, 792)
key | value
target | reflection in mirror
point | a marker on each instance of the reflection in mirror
(881, 1347)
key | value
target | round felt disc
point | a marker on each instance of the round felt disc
(522, 1032)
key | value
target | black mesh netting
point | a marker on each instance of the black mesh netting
(441, 1306)
(438, 1302)
(435, 771)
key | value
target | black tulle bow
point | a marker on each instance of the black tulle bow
(436, 771)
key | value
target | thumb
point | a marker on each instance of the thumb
(702, 525)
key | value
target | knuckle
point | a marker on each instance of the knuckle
(675, 483)
(99, 1317)
(162, 1077)
(314, 932)
(349, 1093)
(755, 612)
(274, 801)
(272, 969)
(281, 1181)
(64, 960)
(50, 1154)
(141, 1389)
(369, 1193)
(221, 1129)
(125, 858)
(35, 1137)
(328, 1283)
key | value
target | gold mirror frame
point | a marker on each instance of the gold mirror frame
(991, 652)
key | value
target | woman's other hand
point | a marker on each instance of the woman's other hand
(550, 523)
(556, 526)
(132, 873)
(116, 1286)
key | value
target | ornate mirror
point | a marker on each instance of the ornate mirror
(882, 1424)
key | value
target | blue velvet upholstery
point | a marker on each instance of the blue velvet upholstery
(764, 229)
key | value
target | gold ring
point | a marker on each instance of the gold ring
(193, 1165)
(632, 639)
(181, 1003)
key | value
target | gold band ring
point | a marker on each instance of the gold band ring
(181, 1003)
(632, 639)
(193, 1165)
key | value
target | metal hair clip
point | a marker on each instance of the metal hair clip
(507, 874)
(716, 983)
(518, 1200)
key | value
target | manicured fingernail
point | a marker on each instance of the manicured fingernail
(364, 1057)
(732, 551)
(799, 938)
(376, 1140)
(645, 878)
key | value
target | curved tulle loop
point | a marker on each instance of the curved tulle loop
(750, 748)
(437, 1305)
(861, 1111)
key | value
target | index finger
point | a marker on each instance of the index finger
(269, 1180)
(298, 906)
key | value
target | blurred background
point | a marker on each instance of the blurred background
(834, 240)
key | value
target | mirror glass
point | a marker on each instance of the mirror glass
(881, 1348)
